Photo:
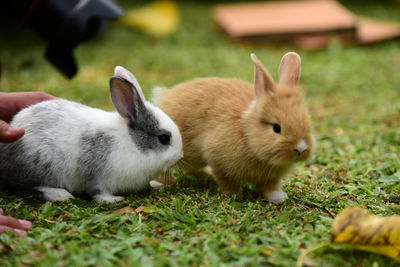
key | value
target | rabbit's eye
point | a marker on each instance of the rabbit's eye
(164, 139)
(277, 128)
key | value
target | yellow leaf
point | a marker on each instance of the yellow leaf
(368, 232)
(267, 252)
(158, 18)
(150, 209)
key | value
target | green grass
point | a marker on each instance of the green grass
(353, 95)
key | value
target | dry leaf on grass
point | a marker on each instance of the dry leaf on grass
(140, 209)
(137, 210)
(356, 228)
(368, 232)
(49, 221)
(123, 210)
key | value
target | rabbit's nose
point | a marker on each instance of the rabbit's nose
(301, 147)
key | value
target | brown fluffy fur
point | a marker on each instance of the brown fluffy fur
(226, 126)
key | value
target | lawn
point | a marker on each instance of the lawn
(353, 95)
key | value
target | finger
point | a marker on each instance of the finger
(1, 211)
(12, 103)
(10, 134)
(25, 99)
(14, 223)
(45, 96)
(20, 232)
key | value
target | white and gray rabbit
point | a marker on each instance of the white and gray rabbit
(70, 148)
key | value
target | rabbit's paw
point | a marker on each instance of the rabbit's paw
(156, 185)
(54, 194)
(107, 198)
(276, 197)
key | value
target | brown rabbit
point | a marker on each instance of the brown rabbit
(242, 131)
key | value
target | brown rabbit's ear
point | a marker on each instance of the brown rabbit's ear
(289, 69)
(263, 81)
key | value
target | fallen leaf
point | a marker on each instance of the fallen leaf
(149, 209)
(70, 231)
(123, 210)
(330, 212)
(355, 228)
(158, 18)
(368, 232)
(269, 213)
(232, 221)
(267, 252)
(140, 209)
(64, 215)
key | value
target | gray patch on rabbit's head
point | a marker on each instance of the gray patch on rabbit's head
(145, 130)
(95, 149)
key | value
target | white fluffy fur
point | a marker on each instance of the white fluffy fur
(127, 168)
(54, 194)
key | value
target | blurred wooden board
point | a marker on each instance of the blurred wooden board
(283, 18)
(372, 30)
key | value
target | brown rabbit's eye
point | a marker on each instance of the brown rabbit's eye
(164, 139)
(277, 128)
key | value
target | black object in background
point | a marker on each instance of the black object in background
(62, 23)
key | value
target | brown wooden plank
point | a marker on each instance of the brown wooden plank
(372, 30)
(283, 18)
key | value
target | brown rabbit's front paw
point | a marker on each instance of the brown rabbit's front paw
(276, 197)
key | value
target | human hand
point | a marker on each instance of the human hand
(14, 225)
(10, 104)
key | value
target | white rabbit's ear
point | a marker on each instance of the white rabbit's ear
(289, 69)
(263, 81)
(127, 75)
(125, 98)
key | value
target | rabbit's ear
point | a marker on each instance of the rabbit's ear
(127, 75)
(263, 81)
(125, 98)
(289, 69)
